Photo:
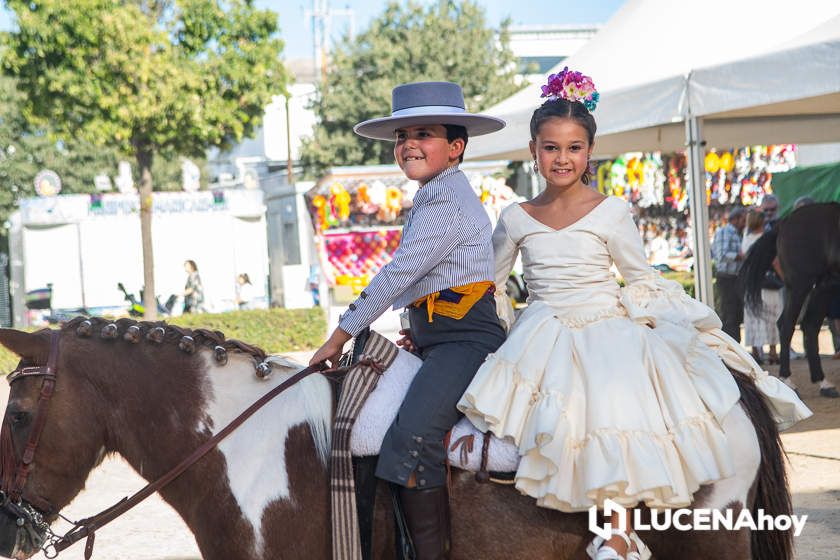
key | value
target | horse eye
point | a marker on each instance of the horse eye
(19, 418)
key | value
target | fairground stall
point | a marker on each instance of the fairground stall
(656, 185)
(358, 214)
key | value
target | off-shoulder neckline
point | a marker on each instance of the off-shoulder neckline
(564, 228)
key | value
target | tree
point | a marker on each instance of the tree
(24, 152)
(407, 43)
(146, 77)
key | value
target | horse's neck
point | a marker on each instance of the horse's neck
(258, 472)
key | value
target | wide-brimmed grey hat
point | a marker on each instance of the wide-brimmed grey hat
(427, 103)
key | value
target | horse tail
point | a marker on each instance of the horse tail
(771, 491)
(755, 266)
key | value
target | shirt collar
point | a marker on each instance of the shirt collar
(443, 174)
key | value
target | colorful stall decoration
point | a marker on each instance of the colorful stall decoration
(353, 257)
(739, 176)
(358, 219)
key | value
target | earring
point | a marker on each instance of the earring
(536, 168)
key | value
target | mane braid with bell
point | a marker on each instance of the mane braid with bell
(160, 332)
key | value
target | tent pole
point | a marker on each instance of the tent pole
(696, 151)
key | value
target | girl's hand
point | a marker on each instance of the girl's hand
(406, 341)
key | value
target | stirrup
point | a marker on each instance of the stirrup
(597, 550)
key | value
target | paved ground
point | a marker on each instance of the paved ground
(153, 531)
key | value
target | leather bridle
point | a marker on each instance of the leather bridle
(17, 501)
(24, 465)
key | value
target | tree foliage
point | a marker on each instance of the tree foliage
(25, 151)
(146, 77)
(409, 42)
(162, 75)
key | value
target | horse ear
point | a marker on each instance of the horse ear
(35, 346)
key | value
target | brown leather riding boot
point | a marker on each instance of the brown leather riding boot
(427, 516)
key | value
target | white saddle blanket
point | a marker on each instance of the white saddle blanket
(381, 408)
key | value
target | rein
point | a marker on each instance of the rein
(88, 527)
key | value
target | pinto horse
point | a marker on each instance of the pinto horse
(807, 243)
(263, 493)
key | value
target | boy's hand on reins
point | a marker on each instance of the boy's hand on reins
(331, 351)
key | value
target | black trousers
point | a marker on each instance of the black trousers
(452, 351)
(729, 304)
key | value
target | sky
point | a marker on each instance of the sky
(296, 27)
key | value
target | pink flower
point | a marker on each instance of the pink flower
(572, 86)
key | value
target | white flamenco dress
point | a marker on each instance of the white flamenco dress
(609, 392)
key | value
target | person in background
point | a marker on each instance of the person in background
(313, 284)
(244, 292)
(760, 324)
(803, 201)
(193, 289)
(727, 257)
(770, 208)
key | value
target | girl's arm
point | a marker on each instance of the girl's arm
(505, 251)
(627, 252)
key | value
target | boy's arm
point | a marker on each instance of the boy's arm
(432, 236)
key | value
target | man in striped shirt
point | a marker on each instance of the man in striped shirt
(442, 272)
(727, 257)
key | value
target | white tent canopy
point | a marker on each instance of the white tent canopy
(675, 75)
(760, 72)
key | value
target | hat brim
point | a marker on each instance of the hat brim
(384, 128)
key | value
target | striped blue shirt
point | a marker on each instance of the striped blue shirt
(446, 242)
(726, 246)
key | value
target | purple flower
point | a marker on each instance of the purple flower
(572, 86)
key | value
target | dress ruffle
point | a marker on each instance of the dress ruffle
(659, 469)
(656, 300)
(623, 403)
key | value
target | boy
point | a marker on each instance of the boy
(443, 271)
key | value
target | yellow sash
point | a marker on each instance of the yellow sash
(471, 293)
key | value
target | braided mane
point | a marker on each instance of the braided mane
(172, 334)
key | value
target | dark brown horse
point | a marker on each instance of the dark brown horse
(807, 243)
(264, 492)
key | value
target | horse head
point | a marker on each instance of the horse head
(62, 454)
(151, 393)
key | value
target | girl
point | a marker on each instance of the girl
(760, 324)
(609, 392)
(193, 289)
(244, 291)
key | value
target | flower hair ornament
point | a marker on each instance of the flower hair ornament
(571, 86)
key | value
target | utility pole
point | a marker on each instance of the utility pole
(290, 175)
(322, 16)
